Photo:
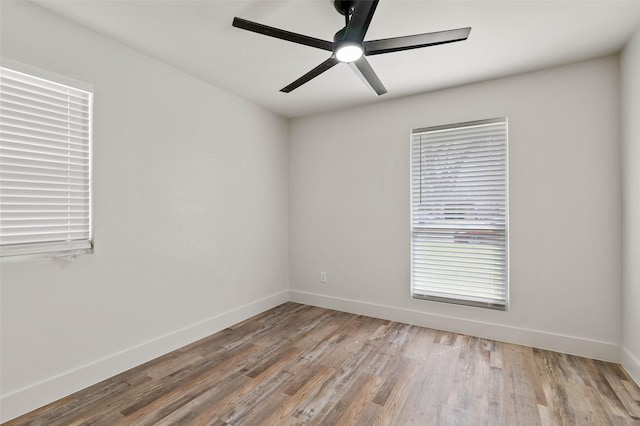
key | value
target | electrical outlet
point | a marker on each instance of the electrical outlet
(323, 277)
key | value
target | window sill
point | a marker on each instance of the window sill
(63, 251)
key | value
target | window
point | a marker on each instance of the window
(459, 214)
(45, 167)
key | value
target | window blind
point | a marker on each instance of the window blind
(459, 213)
(45, 166)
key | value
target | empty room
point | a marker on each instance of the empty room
(246, 212)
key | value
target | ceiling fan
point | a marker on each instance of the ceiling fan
(348, 44)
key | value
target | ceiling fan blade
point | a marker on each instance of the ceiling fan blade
(311, 74)
(386, 45)
(366, 73)
(282, 34)
(360, 20)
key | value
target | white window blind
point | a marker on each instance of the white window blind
(45, 167)
(459, 213)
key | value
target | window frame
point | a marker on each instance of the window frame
(70, 249)
(462, 301)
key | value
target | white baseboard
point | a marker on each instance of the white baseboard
(34, 396)
(537, 339)
(630, 363)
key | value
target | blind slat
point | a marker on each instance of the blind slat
(18, 110)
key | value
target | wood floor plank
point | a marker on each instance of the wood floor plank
(355, 411)
(284, 413)
(594, 378)
(369, 415)
(298, 364)
(496, 414)
(589, 408)
(163, 387)
(334, 388)
(272, 377)
(192, 410)
(339, 403)
(59, 412)
(421, 343)
(320, 332)
(436, 371)
(521, 400)
(189, 390)
(614, 378)
(395, 401)
(634, 391)
(478, 390)
(391, 378)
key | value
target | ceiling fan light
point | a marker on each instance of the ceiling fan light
(349, 52)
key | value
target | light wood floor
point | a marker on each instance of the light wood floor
(298, 364)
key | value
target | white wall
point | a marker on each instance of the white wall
(191, 205)
(349, 208)
(630, 89)
(190, 219)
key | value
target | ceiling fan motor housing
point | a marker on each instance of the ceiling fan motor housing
(344, 7)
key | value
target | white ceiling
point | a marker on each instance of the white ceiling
(507, 37)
